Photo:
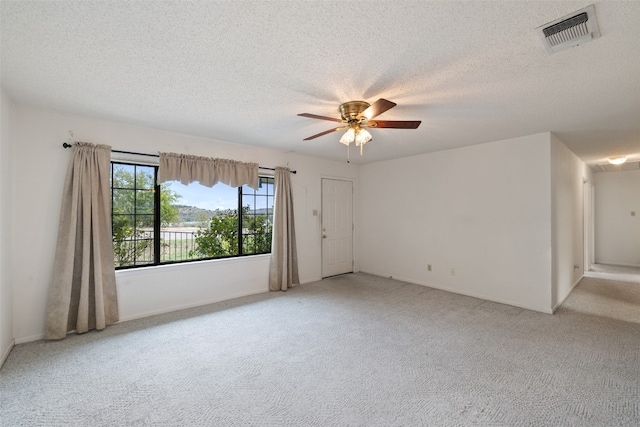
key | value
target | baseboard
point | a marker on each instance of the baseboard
(186, 306)
(311, 280)
(30, 338)
(39, 337)
(617, 264)
(6, 353)
(468, 294)
(559, 303)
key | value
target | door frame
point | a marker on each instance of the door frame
(588, 221)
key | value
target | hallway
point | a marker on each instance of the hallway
(607, 291)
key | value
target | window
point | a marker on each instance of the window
(173, 222)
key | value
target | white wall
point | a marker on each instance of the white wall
(568, 174)
(308, 197)
(41, 165)
(484, 210)
(617, 233)
(6, 285)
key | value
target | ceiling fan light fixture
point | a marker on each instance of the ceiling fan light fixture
(348, 137)
(362, 137)
(617, 160)
(358, 135)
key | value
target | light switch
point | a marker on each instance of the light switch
(315, 212)
(633, 213)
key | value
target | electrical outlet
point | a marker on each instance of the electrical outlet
(429, 267)
(453, 271)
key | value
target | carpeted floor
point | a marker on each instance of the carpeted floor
(351, 350)
(615, 297)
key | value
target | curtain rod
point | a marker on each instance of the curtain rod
(67, 145)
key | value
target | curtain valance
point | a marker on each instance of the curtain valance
(207, 171)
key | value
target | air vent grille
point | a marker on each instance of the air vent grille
(571, 30)
(567, 30)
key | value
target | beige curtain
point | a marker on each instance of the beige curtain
(83, 290)
(283, 270)
(206, 170)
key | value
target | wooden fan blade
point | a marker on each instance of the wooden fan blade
(378, 107)
(315, 116)
(324, 133)
(397, 124)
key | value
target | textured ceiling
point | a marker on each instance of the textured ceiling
(239, 71)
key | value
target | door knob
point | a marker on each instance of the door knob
(324, 236)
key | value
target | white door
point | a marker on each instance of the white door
(337, 227)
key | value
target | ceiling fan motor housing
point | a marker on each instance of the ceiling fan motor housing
(350, 110)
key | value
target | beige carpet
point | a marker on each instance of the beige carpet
(353, 350)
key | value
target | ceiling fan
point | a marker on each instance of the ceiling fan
(359, 115)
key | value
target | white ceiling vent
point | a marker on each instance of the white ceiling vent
(570, 30)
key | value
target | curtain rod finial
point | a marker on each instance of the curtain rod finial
(66, 145)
